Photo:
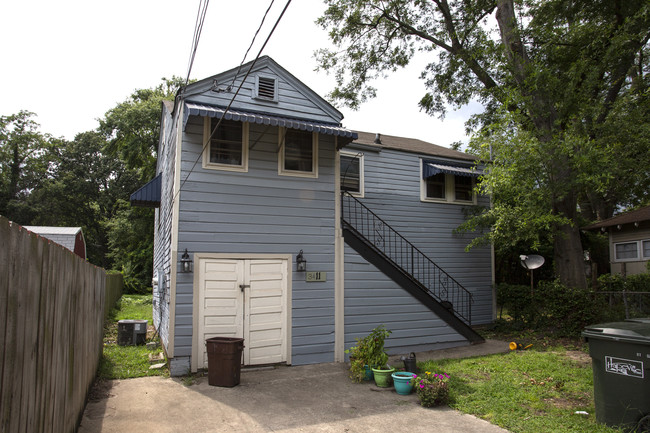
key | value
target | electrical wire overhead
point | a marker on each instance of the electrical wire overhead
(207, 141)
(198, 28)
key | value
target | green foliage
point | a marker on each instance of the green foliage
(565, 91)
(130, 240)
(124, 362)
(132, 127)
(524, 391)
(552, 307)
(24, 164)
(432, 389)
(369, 350)
(618, 283)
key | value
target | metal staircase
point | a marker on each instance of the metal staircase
(405, 264)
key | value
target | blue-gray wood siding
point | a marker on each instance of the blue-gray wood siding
(262, 212)
(295, 100)
(392, 191)
(163, 227)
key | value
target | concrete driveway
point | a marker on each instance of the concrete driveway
(312, 398)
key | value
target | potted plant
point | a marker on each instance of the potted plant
(359, 356)
(368, 354)
(379, 358)
(432, 389)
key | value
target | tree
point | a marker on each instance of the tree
(24, 163)
(557, 79)
(132, 128)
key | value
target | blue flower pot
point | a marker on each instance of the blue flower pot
(369, 375)
(403, 382)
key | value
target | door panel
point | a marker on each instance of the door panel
(257, 313)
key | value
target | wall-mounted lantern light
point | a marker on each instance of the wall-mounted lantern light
(301, 263)
(186, 263)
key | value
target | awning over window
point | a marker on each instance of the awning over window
(430, 169)
(194, 109)
(148, 195)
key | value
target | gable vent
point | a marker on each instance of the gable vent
(267, 88)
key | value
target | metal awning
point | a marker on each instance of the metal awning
(194, 109)
(148, 195)
(430, 169)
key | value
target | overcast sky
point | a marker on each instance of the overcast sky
(70, 61)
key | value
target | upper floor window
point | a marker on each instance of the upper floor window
(298, 153)
(227, 147)
(352, 173)
(439, 184)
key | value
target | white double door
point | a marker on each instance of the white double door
(245, 299)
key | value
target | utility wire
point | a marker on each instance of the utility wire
(232, 99)
(251, 45)
(198, 28)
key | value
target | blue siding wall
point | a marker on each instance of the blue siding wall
(371, 298)
(262, 212)
(163, 227)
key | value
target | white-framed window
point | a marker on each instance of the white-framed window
(298, 153)
(632, 251)
(227, 147)
(447, 188)
(351, 167)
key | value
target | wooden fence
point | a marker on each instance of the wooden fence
(52, 306)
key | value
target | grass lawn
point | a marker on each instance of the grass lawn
(123, 362)
(529, 391)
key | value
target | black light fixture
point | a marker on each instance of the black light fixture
(186, 263)
(301, 263)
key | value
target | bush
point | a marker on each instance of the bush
(553, 307)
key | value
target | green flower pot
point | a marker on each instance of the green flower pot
(383, 377)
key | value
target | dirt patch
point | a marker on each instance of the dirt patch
(101, 390)
(579, 357)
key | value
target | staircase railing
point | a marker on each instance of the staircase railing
(405, 256)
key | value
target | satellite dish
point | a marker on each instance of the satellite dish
(531, 262)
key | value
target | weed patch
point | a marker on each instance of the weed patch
(524, 391)
(124, 362)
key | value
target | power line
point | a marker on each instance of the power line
(198, 28)
(251, 45)
(232, 100)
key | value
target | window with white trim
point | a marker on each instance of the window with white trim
(448, 188)
(352, 173)
(298, 153)
(626, 251)
(227, 147)
(632, 251)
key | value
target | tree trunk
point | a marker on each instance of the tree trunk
(567, 248)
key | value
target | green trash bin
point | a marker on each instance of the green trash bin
(224, 360)
(620, 358)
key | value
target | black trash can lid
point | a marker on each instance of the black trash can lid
(633, 330)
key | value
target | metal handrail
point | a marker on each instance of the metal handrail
(395, 248)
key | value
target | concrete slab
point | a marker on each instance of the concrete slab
(312, 398)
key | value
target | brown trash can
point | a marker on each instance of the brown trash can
(224, 360)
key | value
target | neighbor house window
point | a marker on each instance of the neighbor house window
(626, 251)
(298, 153)
(352, 173)
(646, 249)
(227, 145)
